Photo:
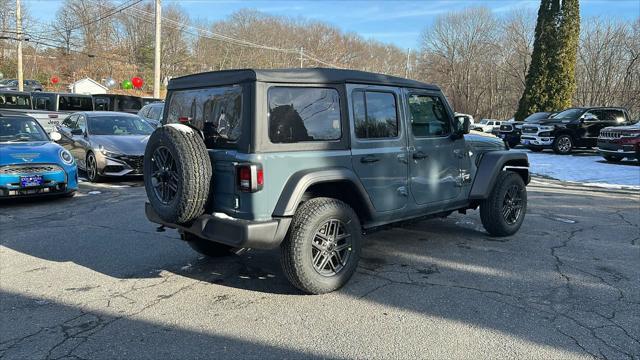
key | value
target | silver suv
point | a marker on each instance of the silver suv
(308, 160)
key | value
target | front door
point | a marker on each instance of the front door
(379, 145)
(434, 156)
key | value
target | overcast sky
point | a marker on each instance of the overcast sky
(396, 22)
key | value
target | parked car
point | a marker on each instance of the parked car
(49, 108)
(106, 143)
(572, 128)
(309, 159)
(31, 164)
(27, 85)
(152, 113)
(619, 142)
(115, 102)
(487, 125)
(510, 131)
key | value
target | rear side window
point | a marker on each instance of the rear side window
(44, 103)
(75, 103)
(11, 101)
(303, 114)
(375, 114)
(155, 112)
(216, 111)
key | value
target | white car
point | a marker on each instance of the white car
(487, 125)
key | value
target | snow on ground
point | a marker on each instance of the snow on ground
(586, 168)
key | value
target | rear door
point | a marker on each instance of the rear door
(434, 157)
(379, 144)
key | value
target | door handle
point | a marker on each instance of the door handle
(420, 155)
(369, 159)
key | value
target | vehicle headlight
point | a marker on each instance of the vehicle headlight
(108, 153)
(628, 136)
(66, 157)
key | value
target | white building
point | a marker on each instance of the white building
(87, 86)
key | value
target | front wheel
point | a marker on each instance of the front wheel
(503, 212)
(612, 158)
(563, 144)
(322, 250)
(206, 247)
(92, 169)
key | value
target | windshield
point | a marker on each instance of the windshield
(118, 125)
(537, 116)
(569, 113)
(13, 101)
(21, 129)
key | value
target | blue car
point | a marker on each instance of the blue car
(31, 164)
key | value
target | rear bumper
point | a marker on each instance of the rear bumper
(234, 232)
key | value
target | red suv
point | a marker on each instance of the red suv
(618, 142)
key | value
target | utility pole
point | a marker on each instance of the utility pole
(406, 68)
(19, 34)
(156, 59)
(301, 56)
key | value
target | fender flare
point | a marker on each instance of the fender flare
(299, 182)
(491, 164)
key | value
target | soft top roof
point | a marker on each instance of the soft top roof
(296, 76)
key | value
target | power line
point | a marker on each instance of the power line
(116, 10)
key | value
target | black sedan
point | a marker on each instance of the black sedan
(106, 143)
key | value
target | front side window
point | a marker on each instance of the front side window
(375, 114)
(428, 116)
(303, 114)
(155, 112)
(216, 111)
(71, 122)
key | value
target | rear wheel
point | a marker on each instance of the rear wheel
(612, 158)
(563, 144)
(503, 212)
(322, 250)
(206, 247)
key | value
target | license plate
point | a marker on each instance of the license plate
(30, 181)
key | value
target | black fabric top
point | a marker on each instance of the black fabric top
(297, 76)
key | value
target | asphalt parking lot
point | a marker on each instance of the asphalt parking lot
(91, 278)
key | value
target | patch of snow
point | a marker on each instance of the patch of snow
(94, 192)
(586, 169)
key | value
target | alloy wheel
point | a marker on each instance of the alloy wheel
(564, 144)
(331, 247)
(512, 204)
(164, 175)
(92, 168)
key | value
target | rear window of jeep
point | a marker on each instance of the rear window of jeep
(217, 111)
(299, 114)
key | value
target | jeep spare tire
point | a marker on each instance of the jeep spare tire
(177, 173)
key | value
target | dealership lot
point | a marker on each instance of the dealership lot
(91, 278)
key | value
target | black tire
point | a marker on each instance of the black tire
(177, 173)
(535, 149)
(612, 158)
(494, 220)
(206, 247)
(563, 144)
(297, 250)
(91, 169)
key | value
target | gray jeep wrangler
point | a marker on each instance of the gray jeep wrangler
(309, 160)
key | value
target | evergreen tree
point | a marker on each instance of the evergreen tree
(550, 81)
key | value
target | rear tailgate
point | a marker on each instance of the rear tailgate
(48, 119)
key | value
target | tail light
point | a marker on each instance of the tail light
(250, 177)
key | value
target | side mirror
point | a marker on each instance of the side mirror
(76, 132)
(55, 136)
(461, 126)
